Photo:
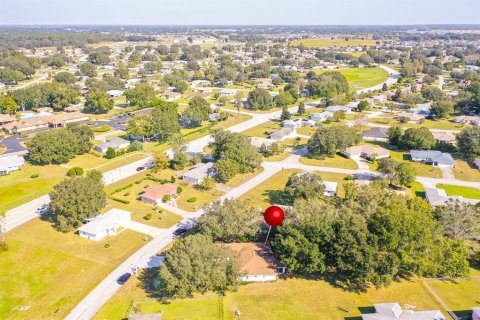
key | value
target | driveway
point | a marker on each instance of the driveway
(13, 145)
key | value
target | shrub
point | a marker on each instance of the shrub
(135, 146)
(148, 216)
(179, 189)
(122, 188)
(75, 171)
(165, 198)
(103, 128)
(124, 201)
(173, 179)
(192, 199)
(107, 245)
(35, 175)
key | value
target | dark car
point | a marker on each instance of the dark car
(179, 231)
(124, 278)
(141, 168)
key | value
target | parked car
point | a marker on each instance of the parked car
(179, 231)
(43, 209)
(140, 168)
(124, 278)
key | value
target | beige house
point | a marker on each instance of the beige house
(366, 151)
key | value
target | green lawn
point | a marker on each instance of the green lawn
(336, 162)
(203, 197)
(283, 299)
(337, 177)
(46, 273)
(460, 295)
(262, 130)
(327, 42)
(465, 171)
(437, 124)
(360, 78)
(466, 192)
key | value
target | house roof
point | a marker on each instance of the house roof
(257, 141)
(433, 156)
(8, 162)
(254, 259)
(114, 142)
(411, 116)
(104, 221)
(444, 136)
(156, 193)
(439, 197)
(281, 132)
(368, 150)
(393, 311)
(199, 171)
(376, 132)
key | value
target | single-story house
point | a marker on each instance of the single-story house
(330, 188)
(321, 116)
(433, 157)
(198, 173)
(115, 93)
(381, 98)
(228, 92)
(393, 311)
(171, 96)
(204, 95)
(445, 137)
(375, 134)
(198, 83)
(10, 163)
(62, 119)
(283, 134)
(366, 151)
(115, 143)
(203, 89)
(151, 316)
(297, 123)
(256, 263)
(107, 224)
(257, 142)
(439, 197)
(155, 194)
(6, 118)
(476, 162)
(25, 125)
(422, 109)
(410, 117)
(476, 313)
(474, 120)
(344, 109)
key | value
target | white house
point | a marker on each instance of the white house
(10, 163)
(283, 134)
(107, 224)
(433, 157)
(339, 109)
(198, 173)
(330, 188)
(321, 116)
(256, 263)
(197, 83)
(438, 197)
(228, 92)
(115, 93)
(393, 311)
(115, 143)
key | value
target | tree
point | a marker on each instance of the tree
(141, 125)
(307, 185)
(197, 112)
(442, 109)
(111, 153)
(459, 220)
(98, 101)
(208, 183)
(180, 157)
(395, 134)
(327, 140)
(8, 105)
(338, 115)
(226, 169)
(239, 96)
(284, 99)
(468, 142)
(196, 264)
(140, 95)
(417, 138)
(260, 99)
(66, 78)
(301, 109)
(135, 146)
(433, 93)
(406, 174)
(388, 167)
(397, 173)
(285, 114)
(161, 161)
(384, 87)
(230, 221)
(165, 119)
(363, 105)
(236, 147)
(88, 70)
(74, 200)
(327, 85)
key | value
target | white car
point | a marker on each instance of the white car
(43, 209)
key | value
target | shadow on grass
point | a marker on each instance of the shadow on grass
(149, 281)
(277, 197)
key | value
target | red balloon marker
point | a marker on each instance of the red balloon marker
(274, 216)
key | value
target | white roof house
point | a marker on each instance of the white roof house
(198, 173)
(339, 109)
(228, 92)
(115, 93)
(393, 311)
(433, 157)
(330, 188)
(10, 163)
(439, 197)
(321, 116)
(107, 224)
(116, 143)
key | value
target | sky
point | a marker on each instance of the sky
(239, 12)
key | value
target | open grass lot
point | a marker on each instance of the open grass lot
(465, 171)
(325, 42)
(46, 273)
(242, 178)
(283, 299)
(18, 187)
(88, 161)
(466, 192)
(360, 78)
(306, 131)
(337, 161)
(459, 295)
(203, 197)
(262, 130)
(437, 124)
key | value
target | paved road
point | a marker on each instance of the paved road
(13, 145)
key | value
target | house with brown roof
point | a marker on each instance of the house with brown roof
(7, 118)
(366, 151)
(152, 195)
(257, 264)
(283, 133)
(410, 117)
(445, 137)
(204, 95)
(25, 125)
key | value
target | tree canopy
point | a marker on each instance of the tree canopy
(326, 141)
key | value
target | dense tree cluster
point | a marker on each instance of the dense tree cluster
(196, 113)
(468, 142)
(327, 85)
(413, 138)
(326, 141)
(55, 95)
(260, 99)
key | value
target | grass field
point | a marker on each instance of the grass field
(460, 295)
(284, 299)
(45, 273)
(360, 78)
(465, 171)
(262, 130)
(465, 192)
(437, 124)
(324, 42)
(336, 162)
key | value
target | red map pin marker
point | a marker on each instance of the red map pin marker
(274, 216)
